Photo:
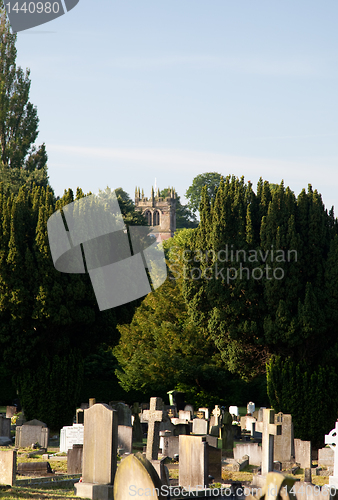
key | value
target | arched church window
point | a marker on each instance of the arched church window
(156, 218)
(147, 214)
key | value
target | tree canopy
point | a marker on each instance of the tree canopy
(211, 180)
(21, 161)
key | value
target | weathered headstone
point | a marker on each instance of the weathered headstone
(92, 402)
(284, 444)
(79, 416)
(252, 450)
(123, 413)
(250, 408)
(215, 421)
(7, 467)
(303, 453)
(176, 398)
(99, 453)
(170, 446)
(137, 428)
(206, 412)
(184, 415)
(326, 457)
(70, 435)
(200, 426)
(153, 416)
(193, 465)
(227, 432)
(136, 476)
(125, 438)
(74, 459)
(332, 440)
(30, 433)
(233, 410)
(11, 411)
(5, 426)
(191, 409)
(268, 429)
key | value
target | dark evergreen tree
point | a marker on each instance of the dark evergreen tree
(49, 321)
(267, 268)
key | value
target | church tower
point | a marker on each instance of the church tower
(160, 212)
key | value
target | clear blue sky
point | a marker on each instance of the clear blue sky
(134, 90)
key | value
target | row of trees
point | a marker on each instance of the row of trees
(250, 304)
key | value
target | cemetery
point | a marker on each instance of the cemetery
(208, 367)
(120, 451)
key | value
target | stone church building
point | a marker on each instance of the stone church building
(160, 212)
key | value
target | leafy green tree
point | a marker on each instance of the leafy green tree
(162, 348)
(211, 180)
(21, 162)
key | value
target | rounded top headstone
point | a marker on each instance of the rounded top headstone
(251, 407)
(136, 476)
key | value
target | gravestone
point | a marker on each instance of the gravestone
(215, 422)
(123, 413)
(199, 426)
(268, 429)
(70, 435)
(233, 410)
(303, 453)
(326, 457)
(136, 476)
(193, 464)
(227, 432)
(92, 402)
(214, 463)
(332, 440)
(11, 411)
(125, 438)
(184, 415)
(153, 416)
(171, 411)
(30, 433)
(74, 459)
(252, 450)
(250, 408)
(191, 409)
(137, 428)
(176, 398)
(99, 453)
(79, 416)
(7, 467)
(206, 412)
(5, 426)
(170, 446)
(284, 444)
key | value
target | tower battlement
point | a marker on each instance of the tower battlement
(160, 212)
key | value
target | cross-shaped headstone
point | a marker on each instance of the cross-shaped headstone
(332, 440)
(216, 413)
(268, 429)
(153, 416)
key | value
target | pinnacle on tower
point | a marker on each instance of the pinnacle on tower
(142, 193)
